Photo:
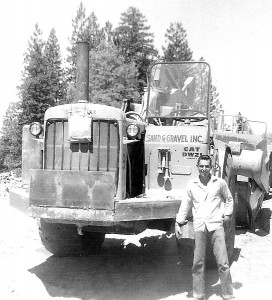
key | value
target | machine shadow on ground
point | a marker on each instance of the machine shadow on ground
(262, 228)
(148, 270)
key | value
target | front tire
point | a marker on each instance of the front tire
(63, 239)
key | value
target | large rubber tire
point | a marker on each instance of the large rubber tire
(64, 240)
(231, 180)
(243, 213)
(246, 216)
(254, 212)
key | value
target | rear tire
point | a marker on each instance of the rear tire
(247, 214)
(243, 214)
(64, 240)
(231, 181)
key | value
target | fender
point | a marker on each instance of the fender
(221, 148)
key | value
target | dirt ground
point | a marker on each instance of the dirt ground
(145, 266)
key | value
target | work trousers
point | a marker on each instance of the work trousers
(217, 239)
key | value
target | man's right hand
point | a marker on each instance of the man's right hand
(179, 225)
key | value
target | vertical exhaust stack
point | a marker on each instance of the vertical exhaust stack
(82, 78)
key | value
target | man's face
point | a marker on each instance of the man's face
(204, 168)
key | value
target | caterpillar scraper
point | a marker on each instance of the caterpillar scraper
(92, 169)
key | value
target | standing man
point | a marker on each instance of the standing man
(212, 204)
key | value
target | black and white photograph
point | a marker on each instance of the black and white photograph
(135, 149)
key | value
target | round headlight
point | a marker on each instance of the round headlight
(36, 129)
(132, 130)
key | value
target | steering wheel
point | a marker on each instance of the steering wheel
(134, 115)
(187, 116)
(194, 112)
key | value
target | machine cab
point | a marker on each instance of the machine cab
(177, 92)
(176, 111)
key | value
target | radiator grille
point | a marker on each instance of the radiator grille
(101, 154)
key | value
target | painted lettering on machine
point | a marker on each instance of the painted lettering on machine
(173, 138)
(191, 152)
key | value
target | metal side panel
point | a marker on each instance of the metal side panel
(97, 217)
(72, 189)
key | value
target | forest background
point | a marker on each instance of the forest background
(119, 57)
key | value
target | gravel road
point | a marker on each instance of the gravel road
(145, 266)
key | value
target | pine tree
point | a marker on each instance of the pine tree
(215, 105)
(34, 89)
(85, 29)
(54, 72)
(111, 78)
(11, 138)
(107, 35)
(135, 42)
(177, 48)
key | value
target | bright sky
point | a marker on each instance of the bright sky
(234, 36)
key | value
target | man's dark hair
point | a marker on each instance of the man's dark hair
(204, 157)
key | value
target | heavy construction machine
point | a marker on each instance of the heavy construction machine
(93, 169)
